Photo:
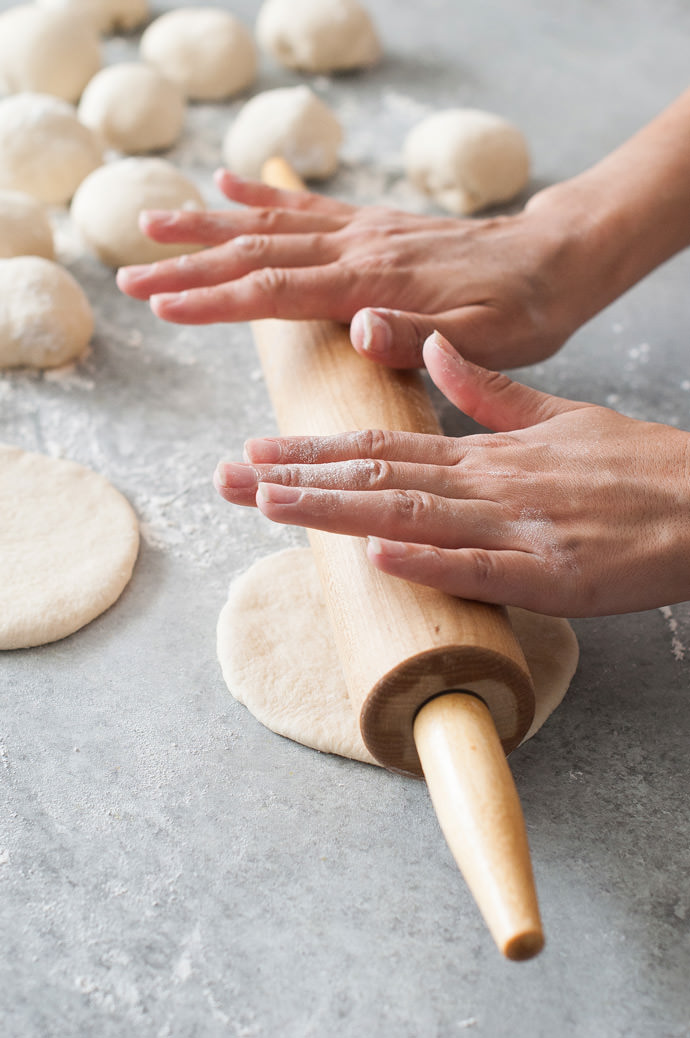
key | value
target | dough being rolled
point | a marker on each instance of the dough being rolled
(277, 657)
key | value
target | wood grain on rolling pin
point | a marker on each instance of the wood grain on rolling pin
(399, 643)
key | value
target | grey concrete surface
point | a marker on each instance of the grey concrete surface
(169, 868)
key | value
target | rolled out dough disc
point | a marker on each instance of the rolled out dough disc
(68, 544)
(275, 650)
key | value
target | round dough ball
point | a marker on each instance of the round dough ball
(44, 149)
(291, 122)
(466, 159)
(133, 108)
(276, 652)
(318, 35)
(105, 15)
(68, 544)
(48, 52)
(208, 52)
(24, 227)
(45, 317)
(106, 208)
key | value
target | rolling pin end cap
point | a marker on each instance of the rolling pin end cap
(524, 946)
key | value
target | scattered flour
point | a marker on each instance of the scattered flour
(678, 622)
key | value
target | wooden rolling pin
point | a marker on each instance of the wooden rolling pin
(440, 685)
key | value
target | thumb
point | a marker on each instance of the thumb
(396, 337)
(391, 337)
(489, 397)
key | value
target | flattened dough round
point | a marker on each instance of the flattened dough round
(68, 544)
(277, 657)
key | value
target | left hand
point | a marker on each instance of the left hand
(570, 509)
(507, 291)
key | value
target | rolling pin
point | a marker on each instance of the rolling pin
(440, 685)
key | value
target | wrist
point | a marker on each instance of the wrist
(586, 255)
(630, 212)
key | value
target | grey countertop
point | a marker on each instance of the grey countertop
(170, 868)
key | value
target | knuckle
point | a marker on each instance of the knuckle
(412, 506)
(373, 473)
(288, 475)
(372, 443)
(484, 567)
(269, 281)
(251, 244)
(496, 381)
(267, 219)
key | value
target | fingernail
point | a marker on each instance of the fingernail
(391, 549)
(262, 452)
(163, 217)
(377, 338)
(168, 301)
(133, 273)
(440, 342)
(222, 171)
(231, 475)
(276, 494)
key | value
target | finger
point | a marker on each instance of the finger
(214, 228)
(225, 263)
(239, 488)
(489, 397)
(255, 193)
(401, 515)
(515, 578)
(314, 293)
(367, 474)
(369, 443)
(396, 337)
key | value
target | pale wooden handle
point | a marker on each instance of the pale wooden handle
(477, 805)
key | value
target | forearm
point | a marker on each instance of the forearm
(631, 211)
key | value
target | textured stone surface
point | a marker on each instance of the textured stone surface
(168, 867)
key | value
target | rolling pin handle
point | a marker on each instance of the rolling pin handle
(478, 808)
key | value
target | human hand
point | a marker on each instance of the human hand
(496, 287)
(569, 508)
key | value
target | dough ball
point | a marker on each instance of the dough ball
(45, 317)
(318, 35)
(44, 149)
(291, 122)
(106, 208)
(68, 544)
(105, 15)
(47, 52)
(466, 159)
(24, 227)
(133, 108)
(277, 656)
(208, 52)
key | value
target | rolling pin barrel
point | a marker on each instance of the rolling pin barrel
(400, 644)
(403, 647)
